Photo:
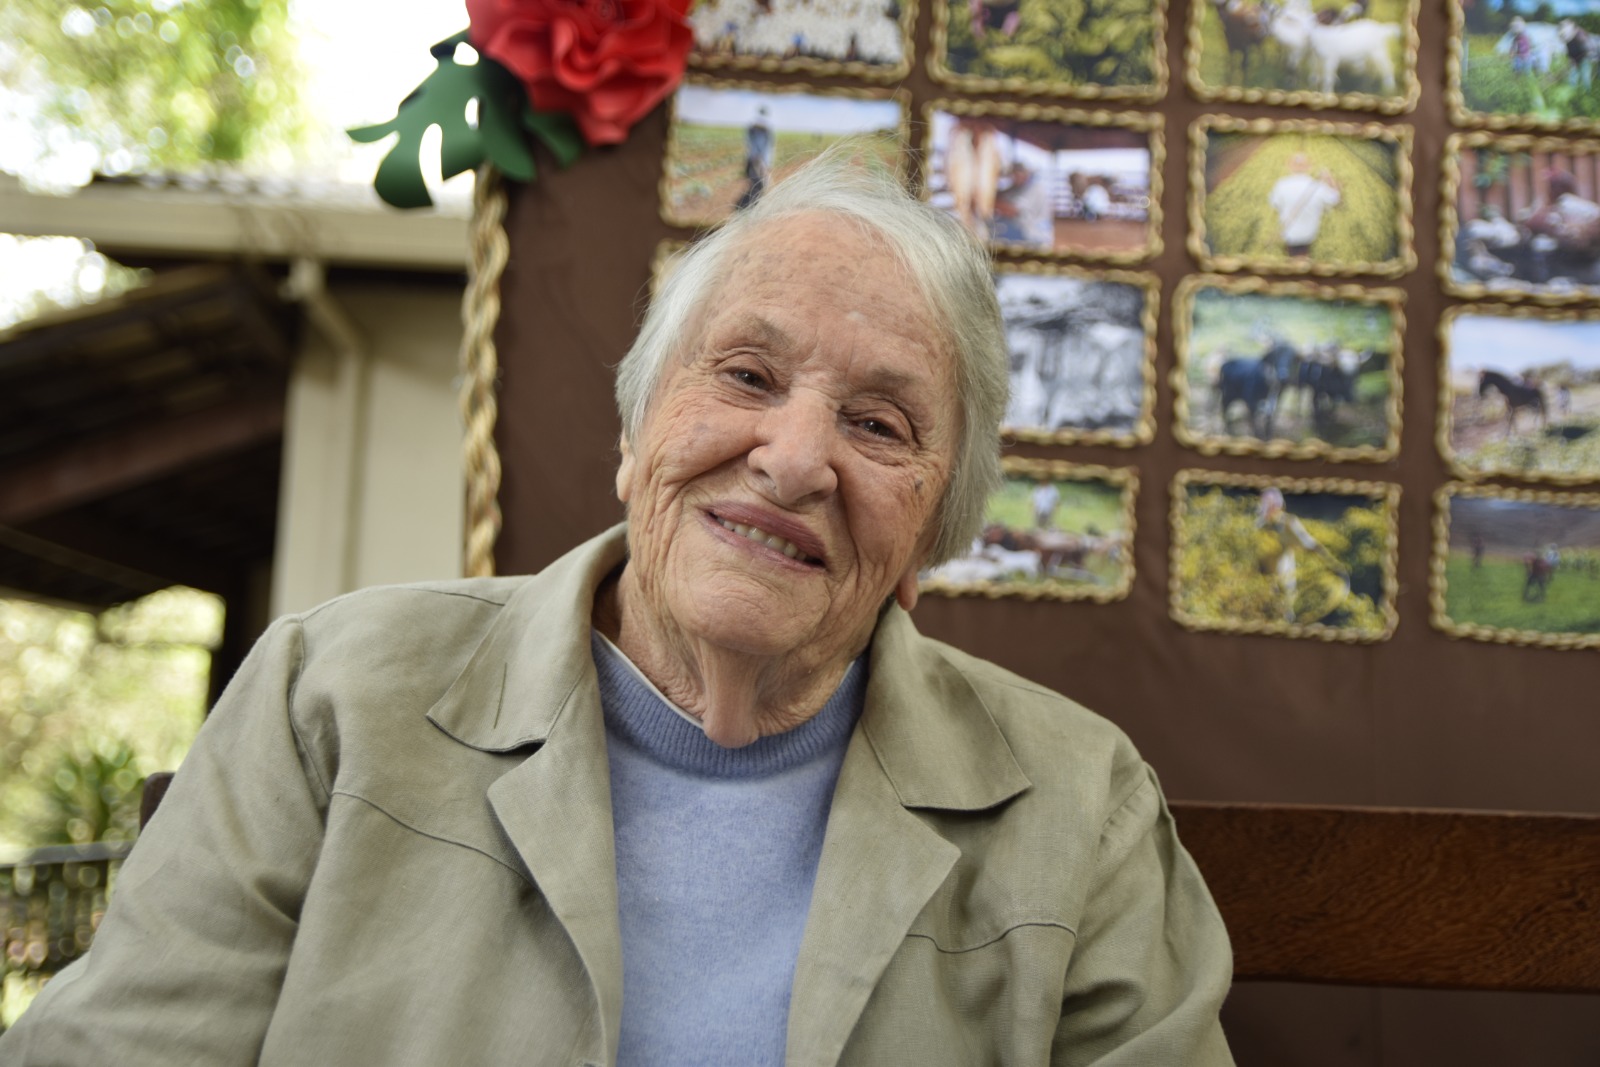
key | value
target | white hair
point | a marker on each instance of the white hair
(949, 267)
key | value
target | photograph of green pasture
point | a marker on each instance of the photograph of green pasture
(1296, 198)
(1312, 374)
(1251, 556)
(727, 144)
(1053, 530)
(1530, 61)
(1523, 394)
(1303, 51)
(1526, 569)
(1066, 47)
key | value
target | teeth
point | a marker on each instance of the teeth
(761, 537)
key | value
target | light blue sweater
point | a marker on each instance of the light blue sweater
(717, 851)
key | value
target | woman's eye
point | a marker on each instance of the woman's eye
(745, 376)
(879, 428)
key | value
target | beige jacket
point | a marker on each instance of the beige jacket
(392, 845)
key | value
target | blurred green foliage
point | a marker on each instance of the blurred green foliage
(1065, 42)
(153, 85)
(89, 706)
(1227, 566)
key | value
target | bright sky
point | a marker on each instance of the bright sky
(1514, 345)
(789, 112)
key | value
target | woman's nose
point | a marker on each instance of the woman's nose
(794, 451)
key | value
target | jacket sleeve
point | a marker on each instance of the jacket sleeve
(187, 964)
(1152, 962)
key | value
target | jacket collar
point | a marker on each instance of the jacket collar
(534, 656)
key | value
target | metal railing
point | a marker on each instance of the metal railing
(51, 901)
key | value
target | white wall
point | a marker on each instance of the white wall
(372, 489)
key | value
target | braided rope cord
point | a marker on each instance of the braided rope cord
(480, 370)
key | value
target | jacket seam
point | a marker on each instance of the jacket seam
(289, 696)
(302, 616)
(1001, 936)
(424, 833)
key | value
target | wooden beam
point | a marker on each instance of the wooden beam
(100, 467)
(1403, 897)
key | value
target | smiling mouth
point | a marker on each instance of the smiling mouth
(771, 540)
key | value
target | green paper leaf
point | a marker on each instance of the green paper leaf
(441, 100)
(557, 130)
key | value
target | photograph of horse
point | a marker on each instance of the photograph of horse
(1054, 530)
(1059, 182)
(1288, 369)
(1520, 566)
(1360, 53)
(1520, 393)
(1527, 216)
(1310, 558)
(1107, 49)
(729, 141)
(1300, 196)
(1082, 354)
(1532, 62)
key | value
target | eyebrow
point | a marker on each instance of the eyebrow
(763, 331)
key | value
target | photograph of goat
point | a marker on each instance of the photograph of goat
(1289, 557)
(1083, 349)
(1107, 50)
(1519, 393)
(1521, 217)
(1525, 63)
(1356, 54)
(1517, 567)
(1053, 531)
(1300, 196)
(1288, 369)
(866, 38)
(1048, 181)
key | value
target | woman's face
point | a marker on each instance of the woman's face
(788, 472)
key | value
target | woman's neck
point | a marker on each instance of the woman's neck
(737, 697)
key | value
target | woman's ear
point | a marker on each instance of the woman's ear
(905, 590)
(624, 470)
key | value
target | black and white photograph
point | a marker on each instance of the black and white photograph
(1082, 350)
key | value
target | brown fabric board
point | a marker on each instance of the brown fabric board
(1418, 720)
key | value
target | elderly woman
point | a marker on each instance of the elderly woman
(698, 793)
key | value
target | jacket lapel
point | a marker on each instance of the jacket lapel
(531, 684)
(925, 741)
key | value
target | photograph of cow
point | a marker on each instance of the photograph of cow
(1527, 217)
(1288, 369)
(1530, 62)
(1053, 530)
(1521, 392)
(1082, 350)
(1513, 565)
(1360, 53)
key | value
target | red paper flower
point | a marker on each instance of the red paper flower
(604, 62)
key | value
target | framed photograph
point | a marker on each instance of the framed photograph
(1289, 557)
(1288, 369)
(1519, 393)
(1525, 63)
(1300, 196)
(1108, 50)
(1517, 567)
(1312, 53)
(1048, 181)
(1520, 217)
(1083, 350)
(865, 38)
(1054, 531)
(729, 141)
